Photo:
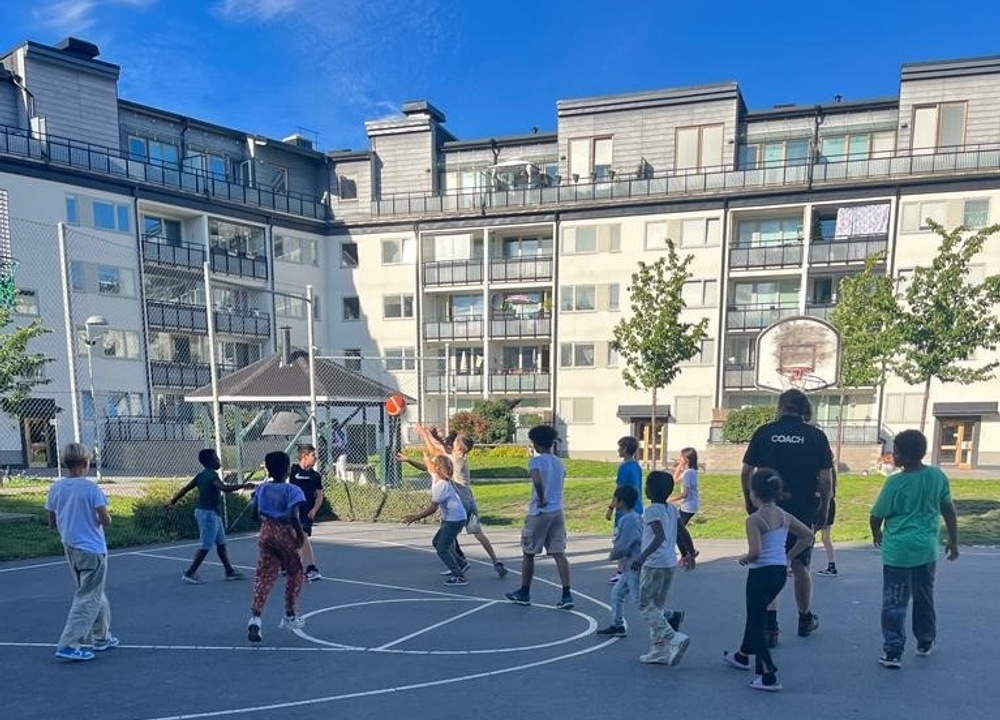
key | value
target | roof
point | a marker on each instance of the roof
(270, 381)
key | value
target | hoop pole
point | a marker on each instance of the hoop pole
(74, 400)
(312, 365)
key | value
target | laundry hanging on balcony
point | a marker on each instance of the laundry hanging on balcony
(862, 220)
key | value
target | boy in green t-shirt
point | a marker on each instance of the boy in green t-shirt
(909, 505)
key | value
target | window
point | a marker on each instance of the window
(698, 148)
(705, 355)
(125, 405)
(399, 251)
(656, 235)
(591, 239)
(700, 232)
(590, 159)
(578, 298)
(72, 216)
(275, 178)
(822, 291)
(348, 255)
(206, 164)
(348, 185)
(304, 251)
(976, 213)
(289, 306)
(111, 343)
(236, 239)
(693, 409)
(770, 293)
(162, 229)
(352, 308)
(612, 357)
(903, 407)
(769, 232)
(395, 307)
(352, 359)
(774, 153)
(104, 215)
(916, 215)
(614, 290)
(577, 410)
(526, 247)
(153, 152)
(404, 358)
(857, 146)
(78, 276)
(576, 355)
(27, 302)
(700, 293)
(937, 127)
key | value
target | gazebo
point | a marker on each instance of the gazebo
(278, 388)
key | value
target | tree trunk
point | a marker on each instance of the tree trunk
(653, 433)
(840, 431)
(923, 409)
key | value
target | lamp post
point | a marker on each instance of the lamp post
(93, 321)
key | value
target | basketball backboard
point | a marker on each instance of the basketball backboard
(798, 352)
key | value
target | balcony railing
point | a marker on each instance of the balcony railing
(144, 429)
(453, 272)
(521, 269)
(179, 375)
(254, 323)
(738, 377)
(520, 383)
(468, 327)
(510, 326)
(240, 264)
(156, 250)
(843, 250)
(455, 383)
(787, 254)
(854, 432)
(54, 150)
(820, 310)
(756, 317)
(176, 316)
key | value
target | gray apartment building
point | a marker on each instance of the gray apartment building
(486, 267)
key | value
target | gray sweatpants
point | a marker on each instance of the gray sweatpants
(90, 615)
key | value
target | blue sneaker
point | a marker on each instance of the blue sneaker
(566, 602)
(102, 645)
(68, 653)
(519, 597)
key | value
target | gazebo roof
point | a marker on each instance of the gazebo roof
(273, 381)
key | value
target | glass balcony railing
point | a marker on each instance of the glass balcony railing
(190, 375)
(521, 269)
(453, 272)
(845, 250)
(738, 376)
(820, 310)
(241, 322)
(178, 255)
(164, 315)
(517, 382)
(787, 254)
(455, 383)
(467, 327)
(243, 265)
(512, 326)
(54, 150)
(756, 317)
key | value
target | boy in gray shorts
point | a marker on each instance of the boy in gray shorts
(545, 525)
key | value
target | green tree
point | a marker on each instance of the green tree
(653, 341)
(946, 317)
(20, 370)
(500, 422)
(866, 316)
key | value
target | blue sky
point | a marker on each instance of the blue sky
(274, 66)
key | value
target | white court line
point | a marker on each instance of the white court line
(247, 648)
(388, 690)
(435, 626)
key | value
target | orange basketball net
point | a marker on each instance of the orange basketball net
(795, 373)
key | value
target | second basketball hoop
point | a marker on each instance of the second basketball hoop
(798, 352)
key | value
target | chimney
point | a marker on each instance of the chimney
(285, 346)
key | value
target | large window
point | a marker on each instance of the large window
(590, 159)
(303, 251)
(903, 407)
(773, 231)
(700, 293)
(693, 408)
(102, 279)
(289, 307)
(579, 411)
(236, 238)
(154, 152)
(396, 307)
(206, 164)
(774, 153)
(526, 247)
(699, 148)
(578, 298)
(399, 251)
(111, 343)
(857, 146)
(705, 355)
(771, 293)
(591, 238)
(976, 213)
(937, 127)
(576, 355)
(916, 215)
(162, 229)
(699, 232)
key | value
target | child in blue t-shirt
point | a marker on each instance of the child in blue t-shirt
(630, 475)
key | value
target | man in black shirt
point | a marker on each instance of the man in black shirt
(311, 483)
(801, 455)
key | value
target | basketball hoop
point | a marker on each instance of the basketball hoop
(797, 352)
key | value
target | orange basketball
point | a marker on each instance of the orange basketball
(395, 405)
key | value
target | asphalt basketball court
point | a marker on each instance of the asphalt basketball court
(385, 638)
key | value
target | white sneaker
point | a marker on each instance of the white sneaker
(313, 576)
(657, 655)
(677, 647)
(292, 622)
(253, 630)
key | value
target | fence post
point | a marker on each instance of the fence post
(213, 368)
(312, 364)
(74, 399)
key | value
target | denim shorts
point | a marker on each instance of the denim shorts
(210, 530)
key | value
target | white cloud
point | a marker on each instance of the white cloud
(255, 10)
(71, 17)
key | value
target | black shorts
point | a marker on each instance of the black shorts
(832, 514)
(807, 516)
(307, 526)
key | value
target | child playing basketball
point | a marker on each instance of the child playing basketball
(908, 507)
(276, 503)
(453, 517)
(304, 475)
(767, 531)
(208, 513)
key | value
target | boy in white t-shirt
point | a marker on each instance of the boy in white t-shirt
(545, 525)
(662, 530)
(453, 515)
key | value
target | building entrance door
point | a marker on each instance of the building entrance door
(39, 442)
(955, 436)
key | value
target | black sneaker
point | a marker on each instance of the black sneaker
(456, 581)
(566, 602)
(808, 624)
(612, 631)
(831, 571)
(893, 661)
(499, 567)
(519, 597)
(675, 618)
(925, 649)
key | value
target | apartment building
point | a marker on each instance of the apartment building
(499, 266)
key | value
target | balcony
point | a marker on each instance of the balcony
(176, 316)
(511, 326)
(820, 310)
(787, 254)
(847, 250)
(739, 376)
(521, 269)
(179, 375)
(183, 255)
(104, 161)
(244, 265)
(235, 322)
(756, 317)
(453, 272)
(516, 382)
(467, 327)
(456, 383)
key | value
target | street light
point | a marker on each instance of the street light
(93, 321)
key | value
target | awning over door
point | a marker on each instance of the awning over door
(643, 412)
(965, 409)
